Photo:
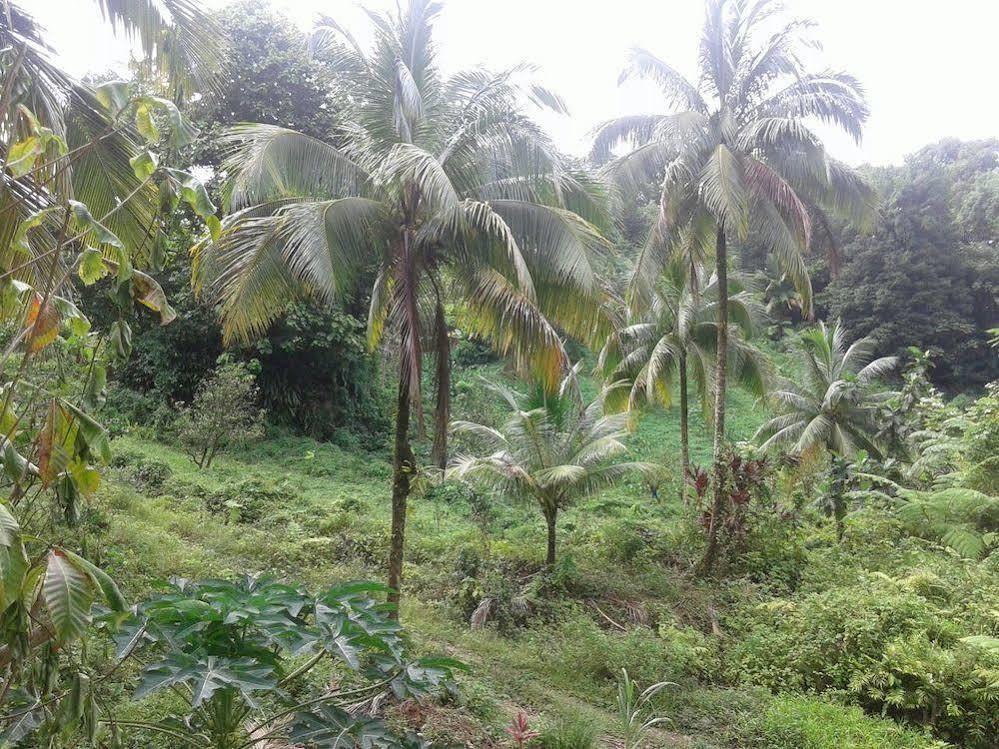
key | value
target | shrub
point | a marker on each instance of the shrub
(587, 652)
(624, 540)
(773, 551)
(981, 442)
(881, 643)
(145, 474)
(223, 415)
(128, 411)
(247, 501)
(450, 492)
(317, 376)
(491, 592)
(797, 722)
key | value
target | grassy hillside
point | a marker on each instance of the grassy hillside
(622, 597)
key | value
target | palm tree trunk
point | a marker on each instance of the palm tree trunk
(442, 412)
(707, 562)
(684, 430)
(550, 518)
(403, 464)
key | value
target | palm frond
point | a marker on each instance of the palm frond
(723, 190)
(262, 260)
(179, 38)
(267, 162)
(677, 89)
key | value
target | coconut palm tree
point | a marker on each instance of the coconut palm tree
(736, 157)
(675, 338)
(444, 190)
(552, 455)
(832, 408)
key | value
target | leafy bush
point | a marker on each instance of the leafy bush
(772, 552)
(880, 642)
(243, 654)
(145, 474)
(450, 492)
(797, 722)
(624, 540)
(223, 415)
(131, 412)
(317, 376)
(587, 652)
(981, 443)
(492, 592)
(472, 352)
(248, 501)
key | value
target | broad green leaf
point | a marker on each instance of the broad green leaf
(68, 498)
(69, 313)
(214, 227)
(68, 595)
(15, 465)
(95, 391)
(90, 432)
(120, 339)
(103, 582)
(19, 241)
(169, 200)
(41, 142)
(113, 95)
(10, 529)
(22, 156)
(145, 124)
(91, 266)
(84, 221)
(182, 133)
(72, 704)
(27, 720)
(86, 478)
(13, 559)
(192, 191)
(144, 164)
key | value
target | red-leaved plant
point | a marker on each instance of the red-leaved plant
(520, 730)
(697, 477)
(744, 478)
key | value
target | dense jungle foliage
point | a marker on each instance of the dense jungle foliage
(340, 409)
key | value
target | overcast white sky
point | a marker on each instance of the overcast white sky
(929, 66)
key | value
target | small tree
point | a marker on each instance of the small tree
(243, 657)
(552, 455)
(223, 415)
(832, 407)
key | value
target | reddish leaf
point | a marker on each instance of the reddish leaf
(42, 324)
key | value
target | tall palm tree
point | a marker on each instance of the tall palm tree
(736, 157)
(833, 407)
(552, 455)
(675, 338)
(445, 189)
